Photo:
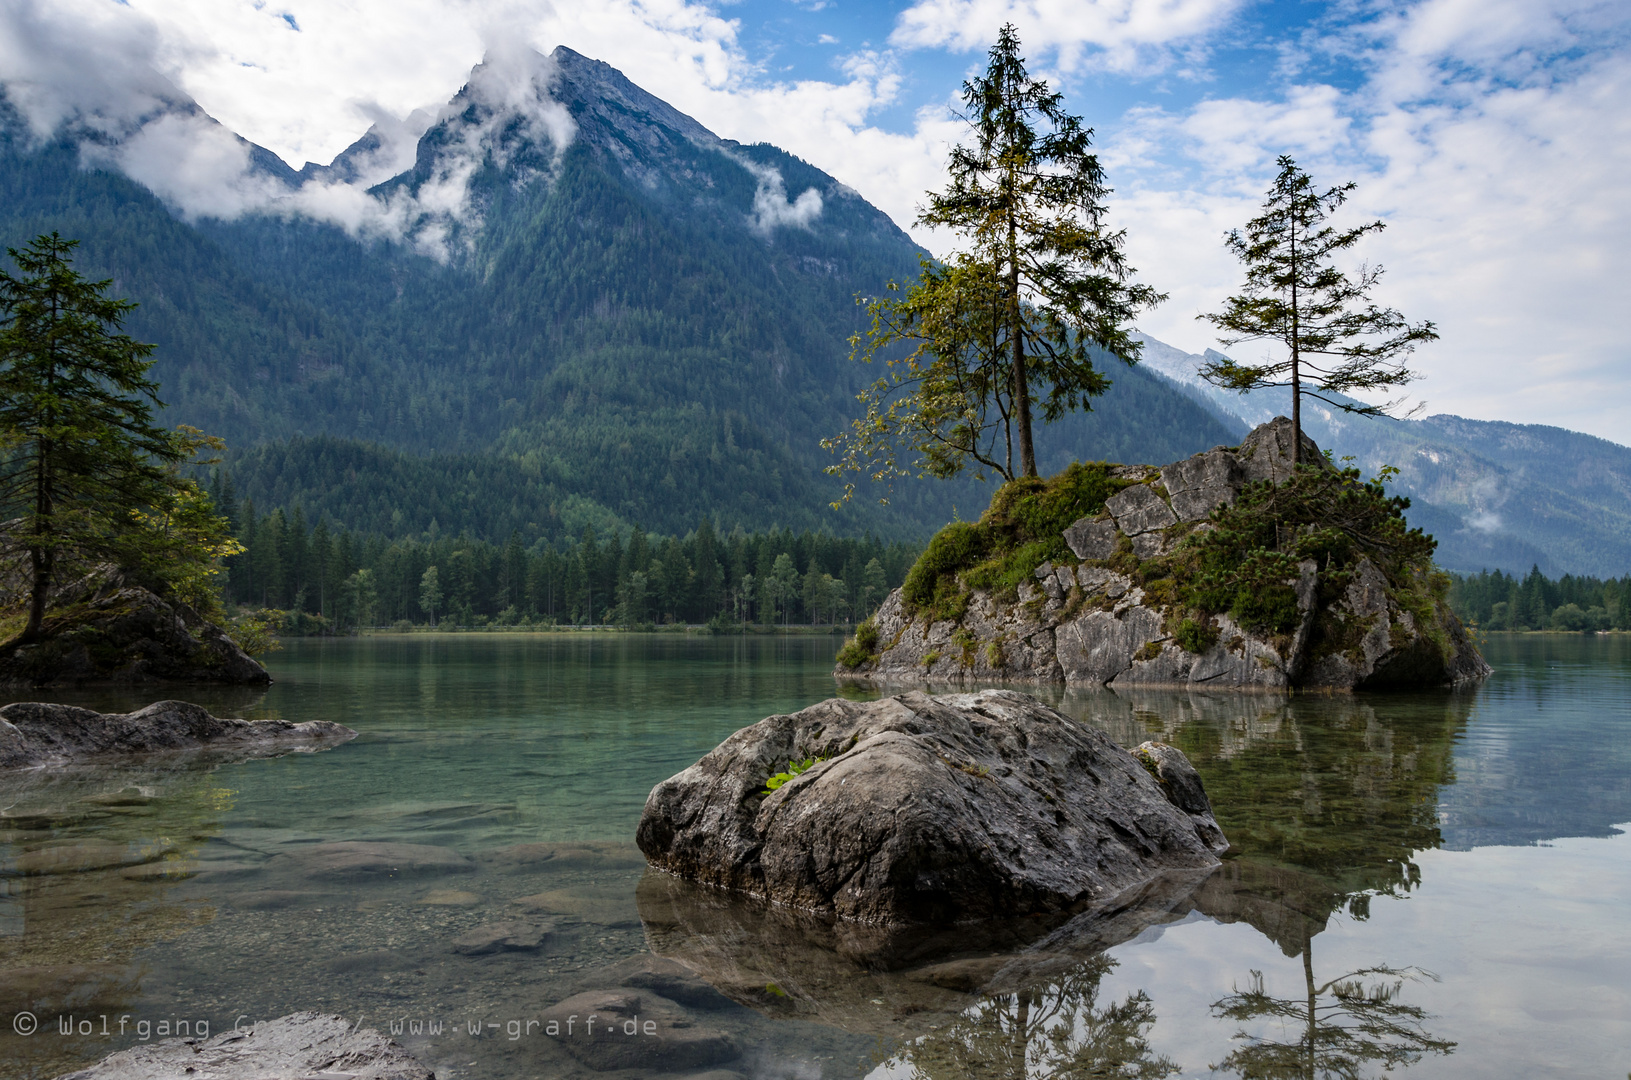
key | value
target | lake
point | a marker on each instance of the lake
(1437, 883)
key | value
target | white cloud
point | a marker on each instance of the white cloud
(1504, 179)
(1110, 35)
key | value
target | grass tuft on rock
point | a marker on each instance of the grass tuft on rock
(1022, 529)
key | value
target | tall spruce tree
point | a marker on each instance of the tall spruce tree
(82, 459)
(1333, 335)
(1041, 287)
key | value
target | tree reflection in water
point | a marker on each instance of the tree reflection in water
(1057, 1031)
(1341, 1025)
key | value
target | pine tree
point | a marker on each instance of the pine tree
(82, 456)
(1042, 287)
(1333, 335)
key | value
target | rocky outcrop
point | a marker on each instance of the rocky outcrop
(924, 810)
(304, 1044)
(103, 629)
(40, 733)
(1091, 623)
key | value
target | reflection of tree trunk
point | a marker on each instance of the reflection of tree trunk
(1022, 1035)
(1308, 977)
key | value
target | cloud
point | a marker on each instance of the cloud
(1107, 35)
(1493, 141)
(772, 207)
(92, 72)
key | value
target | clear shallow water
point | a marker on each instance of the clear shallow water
(1460, 847)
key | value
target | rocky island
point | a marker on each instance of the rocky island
(1233, 569)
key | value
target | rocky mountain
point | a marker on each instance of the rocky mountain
(570, 300)
(1497, 496)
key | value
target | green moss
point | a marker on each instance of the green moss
(930, 657)
(968, 643)
(1149, 651)
(1021, 529)
(993, 654)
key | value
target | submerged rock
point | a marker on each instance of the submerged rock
(1114, 617)
(926, 810)
(303, 1044)
(38, 733)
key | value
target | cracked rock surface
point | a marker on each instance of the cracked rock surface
(926, 810)
(303, 1044)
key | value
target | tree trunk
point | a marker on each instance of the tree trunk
(1296, 356)
(1022, 389)
(1313, 1004)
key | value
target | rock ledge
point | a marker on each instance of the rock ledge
(39, 733)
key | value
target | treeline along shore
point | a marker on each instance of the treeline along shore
(328, 579)
(1493, 600)
(331, 580)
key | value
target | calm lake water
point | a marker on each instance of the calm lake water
(1436, 883)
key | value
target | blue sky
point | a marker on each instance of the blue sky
(1493, 136)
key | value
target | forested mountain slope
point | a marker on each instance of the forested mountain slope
(573, 307)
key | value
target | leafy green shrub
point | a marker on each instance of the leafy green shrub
(866, 635)
(1196, 636)
(1243, 563)
(854, 654)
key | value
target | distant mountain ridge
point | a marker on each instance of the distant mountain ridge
(1497, 496)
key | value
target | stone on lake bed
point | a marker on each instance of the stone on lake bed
(450, 898)
(631, 1028)
(78, 858)
(363, 860)
(929, 810)
(511, 935)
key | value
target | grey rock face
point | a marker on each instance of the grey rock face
(37, 733)
(1090, 539)
(1392, 650)
(926, 810)
(1200, 484)
(1139, 509)
(303, 1044)
(1265, 453)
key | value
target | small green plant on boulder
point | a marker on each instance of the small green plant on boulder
(795, 769)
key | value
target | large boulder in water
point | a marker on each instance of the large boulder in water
(927, 809)
(36, 733)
